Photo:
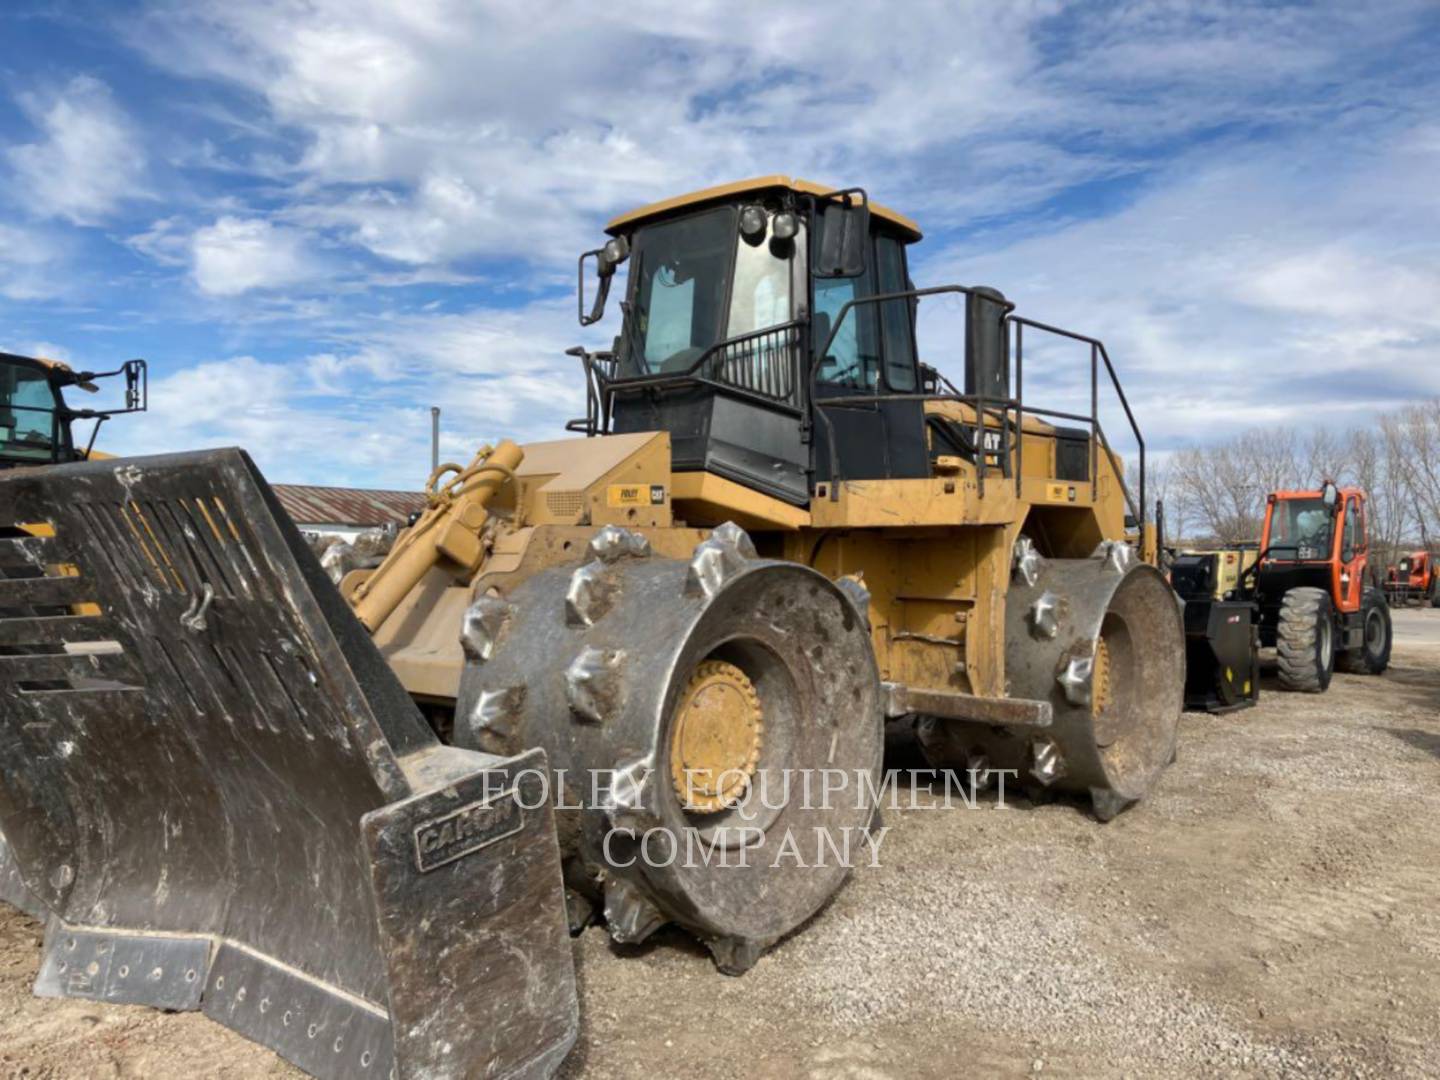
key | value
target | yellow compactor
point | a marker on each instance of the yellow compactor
(599, 677)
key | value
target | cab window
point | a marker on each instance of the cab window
(27, 414)
(895, 316)
(854, 357)
(1301, 529)
(761, 298)
(1354, 534)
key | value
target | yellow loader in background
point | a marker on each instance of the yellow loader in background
(356, 825)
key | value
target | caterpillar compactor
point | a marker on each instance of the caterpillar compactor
(626, 676)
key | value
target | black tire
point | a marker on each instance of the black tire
(1372, 656)
(1305, 640)
(1434, 594)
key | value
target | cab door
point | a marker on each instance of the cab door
(1350, 573)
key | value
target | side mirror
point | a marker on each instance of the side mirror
(1329, 495)
(842, 231)
(607, 258)
(137, 385)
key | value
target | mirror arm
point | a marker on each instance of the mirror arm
(601, 295)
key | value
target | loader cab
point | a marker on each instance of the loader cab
(729, 299)
(34, 420)
(36, 423)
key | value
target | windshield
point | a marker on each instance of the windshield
(682, 271)
(27, 414)
(1302, 526)
(683, 301)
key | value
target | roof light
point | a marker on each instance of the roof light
(615, 252)
(752, 224)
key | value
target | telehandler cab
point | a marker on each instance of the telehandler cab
(353, 824)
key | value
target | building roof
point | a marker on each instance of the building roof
(360, 507)
(759, 183)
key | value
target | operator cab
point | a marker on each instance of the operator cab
(769, 326)
(35, 421)
(730, 295)
(34, 429)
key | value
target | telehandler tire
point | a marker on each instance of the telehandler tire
(1305, 641)
(1372, 656)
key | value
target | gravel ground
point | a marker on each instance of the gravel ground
(1270, 910)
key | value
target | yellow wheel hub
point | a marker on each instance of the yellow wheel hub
(715, 742)
(1101, 697)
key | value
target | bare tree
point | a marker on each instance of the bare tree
(1217, 493)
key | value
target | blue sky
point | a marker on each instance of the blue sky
(318, 218)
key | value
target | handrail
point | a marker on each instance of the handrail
(819, 357)
(602, 387)
(640, 382)
(1098, 351)
(1098, 439)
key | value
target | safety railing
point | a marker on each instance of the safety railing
(762, 365)
(999, 409)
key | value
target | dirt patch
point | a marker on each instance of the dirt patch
(1270, 910)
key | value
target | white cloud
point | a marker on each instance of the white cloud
(1296, 283)
(1279, 224)
(30, 264)
(959, 112)
(89, 160)
(235, 255)
(359, 413)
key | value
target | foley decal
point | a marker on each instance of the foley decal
(635, 495)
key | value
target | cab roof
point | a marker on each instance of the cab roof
(909, 230)
(57, 370)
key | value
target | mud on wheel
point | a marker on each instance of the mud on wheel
(704, 691)
(1305, 640)
(1100, 640)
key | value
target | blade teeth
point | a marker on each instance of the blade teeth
(1045, 615)
(1075, 679)
(1046, 763)
(484, 626)
(590, 595)
(594, 683)
(718, 558)
(1027, 562)
(612, 542)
